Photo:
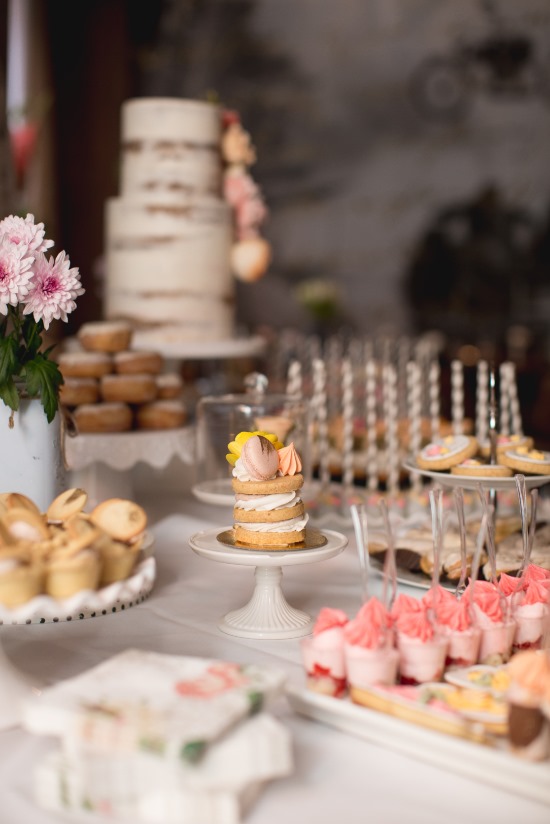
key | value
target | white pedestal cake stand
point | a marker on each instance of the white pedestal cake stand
(268, 614)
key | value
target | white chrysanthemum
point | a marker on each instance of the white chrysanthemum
(54, 289)
(24, 231)
(15, 273)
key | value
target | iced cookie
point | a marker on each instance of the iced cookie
(444, 453)
(504, 443)
(481, 469)
(528, 461)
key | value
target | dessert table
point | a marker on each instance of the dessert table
(336, 777)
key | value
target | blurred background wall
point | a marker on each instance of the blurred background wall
(402, 150)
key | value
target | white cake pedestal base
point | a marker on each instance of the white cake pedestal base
(268, 614)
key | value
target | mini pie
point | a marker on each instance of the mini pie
(444, 453)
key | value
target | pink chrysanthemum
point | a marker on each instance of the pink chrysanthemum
(24, 232)
(15, 273)
(53, 290)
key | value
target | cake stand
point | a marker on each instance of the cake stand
(472, 481)
(268, 614)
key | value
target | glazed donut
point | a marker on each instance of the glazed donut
(134, 362)
(169, 386)
(75, 391)
(103, 417)
(105, 336)
(85, 364)
(166, 414)
(128, 388)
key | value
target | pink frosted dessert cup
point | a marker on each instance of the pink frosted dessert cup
(324, 663)
(421, 660)
(496, 643)
(463, 647)
(365, 667)
(529, 631)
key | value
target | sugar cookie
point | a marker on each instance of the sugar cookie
(481, 469)
(444, 453)
(528, 461)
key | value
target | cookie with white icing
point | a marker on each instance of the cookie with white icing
(528, 461)
(444, 453)
(505, 443)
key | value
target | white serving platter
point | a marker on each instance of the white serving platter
(488, 765)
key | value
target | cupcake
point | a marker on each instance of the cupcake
(528, 728)
(323, 653)
(490, 615)
(369, 654)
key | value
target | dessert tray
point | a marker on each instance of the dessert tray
(268, 614)
(88, 603)
(471, 482)
(488, 765)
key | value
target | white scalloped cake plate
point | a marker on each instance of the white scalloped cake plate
(470, 481)
(89, 603)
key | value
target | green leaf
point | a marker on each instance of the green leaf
(42, 380)
(32, 337)
(9, 394)
(8, 358)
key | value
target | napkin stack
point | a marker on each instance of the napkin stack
(160, 738)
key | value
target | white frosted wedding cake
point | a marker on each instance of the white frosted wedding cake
(170, 235)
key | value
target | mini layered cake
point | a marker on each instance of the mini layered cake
(268, 511)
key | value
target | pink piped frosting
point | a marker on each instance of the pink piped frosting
(435, 599)
(404, 604)
(329, 618)
(509, 584)
(289, 460)
(537, 592)
(488, 600)
(533, 572)
(369, 627)
(454, 614)
(415, 625)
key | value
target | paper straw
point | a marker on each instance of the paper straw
(504, 400)
(320, 412)
(294, 379)
(392, 444)
(371, 420)
(434, 392)
(347, 428)
(457, 396)
(360, 526)
(482, 401)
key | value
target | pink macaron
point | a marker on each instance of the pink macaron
(259, 458)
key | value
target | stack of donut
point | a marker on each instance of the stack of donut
(108, 387)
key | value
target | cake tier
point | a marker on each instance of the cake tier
(170, 145)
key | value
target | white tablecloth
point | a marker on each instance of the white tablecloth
(337, 777)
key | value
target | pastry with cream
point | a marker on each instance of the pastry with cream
(268, 512)
(368, 648)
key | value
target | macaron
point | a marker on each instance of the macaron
(259, 458)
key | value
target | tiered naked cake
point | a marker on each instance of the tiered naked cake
(169, 233)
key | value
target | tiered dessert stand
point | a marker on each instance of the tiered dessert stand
(268, 614)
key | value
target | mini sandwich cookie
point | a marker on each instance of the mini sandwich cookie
(268, 511)
(446, 452)
(528, 461)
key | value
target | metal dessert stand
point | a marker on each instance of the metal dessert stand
(268, 614)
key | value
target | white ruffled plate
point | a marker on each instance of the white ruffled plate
(89, 603)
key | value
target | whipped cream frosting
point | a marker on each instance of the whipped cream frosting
(267, 503)
(292, 525)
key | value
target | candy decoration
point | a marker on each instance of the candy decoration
(392, 443)
(434, 375)
(504, 400)
(294, 382)
(321, 416)
(414, 394)
(371, 417)
(517, 426)
(482, 401)
(347, 419)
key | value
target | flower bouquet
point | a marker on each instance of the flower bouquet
(34, 290)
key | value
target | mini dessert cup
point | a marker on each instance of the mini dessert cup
(496, 643)
(365, 667)
(118, 560)
(529, 631)
(67, 573)
(323, 657)
(421, 660)
(463, 647)
(20, 580)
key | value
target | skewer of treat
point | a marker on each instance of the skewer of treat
(266, 478)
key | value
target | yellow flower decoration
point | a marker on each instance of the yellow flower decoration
(236, 445)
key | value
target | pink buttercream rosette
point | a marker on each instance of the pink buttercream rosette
(490, 615)
(369, 654)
